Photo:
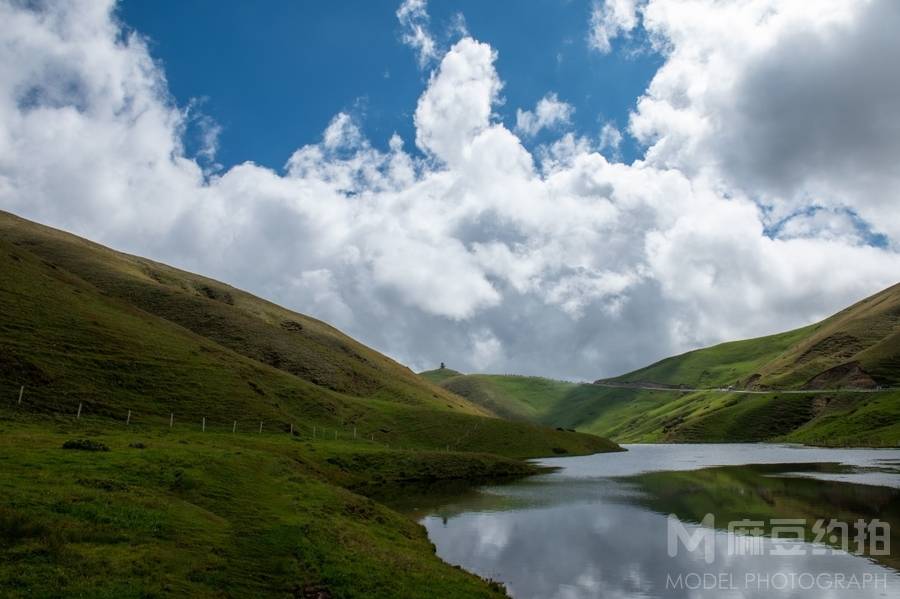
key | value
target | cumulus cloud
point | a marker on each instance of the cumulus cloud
(549, 112)
(478, 252)
(609, 20)
(790, 105)
(413, 17)
(457, 105)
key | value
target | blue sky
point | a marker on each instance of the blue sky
(274, 78)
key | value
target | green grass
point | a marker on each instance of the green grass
(720, 365)
(221, 317)
(854, 420)
(858, 347)
(866, 334)
(515, 397)
(215, 514)
(439, 375)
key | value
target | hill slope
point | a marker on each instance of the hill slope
(859, 347)
(233, 319)
(439, 375)
(82, 324)
(817, 384)
(515, 397)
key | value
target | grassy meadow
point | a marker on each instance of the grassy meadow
(186, 513)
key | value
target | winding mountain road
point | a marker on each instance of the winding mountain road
(652, 387)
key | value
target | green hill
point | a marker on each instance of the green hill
(514, 397)
(219, 314)
(721, 365)
(859, 347)
(240, 437)
(82, 324)
(831, 383)
(439, 375)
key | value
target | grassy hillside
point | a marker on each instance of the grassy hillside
(513, 397)
(641, 415)
(107, 342)
(857, 347)
(439, 375)
(230, 318)
(721, 365)
(855, 350)
(150, 355)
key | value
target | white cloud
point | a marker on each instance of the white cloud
(610, 138)
(480, 254)
(486, 348)
(549, 112)
(794, 107)
(458, 26)
(610, 19)
(208, 132)
(457, 105)
(413, 17)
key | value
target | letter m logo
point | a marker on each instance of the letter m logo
(692, 539)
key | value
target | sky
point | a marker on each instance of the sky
(570, 189)
(273, 79)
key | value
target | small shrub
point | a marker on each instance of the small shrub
(137, 445)
(85, 445)
(560, 450)
(16, 526)
(496, 586)
(183, 482)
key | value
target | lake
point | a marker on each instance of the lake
(706, 520)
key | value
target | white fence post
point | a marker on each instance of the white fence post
(234, 427)
(171, 419)
(128, 420)
(21, 392)
(260, 426)
(78, 416)
(204, 424)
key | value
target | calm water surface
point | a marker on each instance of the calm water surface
(598, 527)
